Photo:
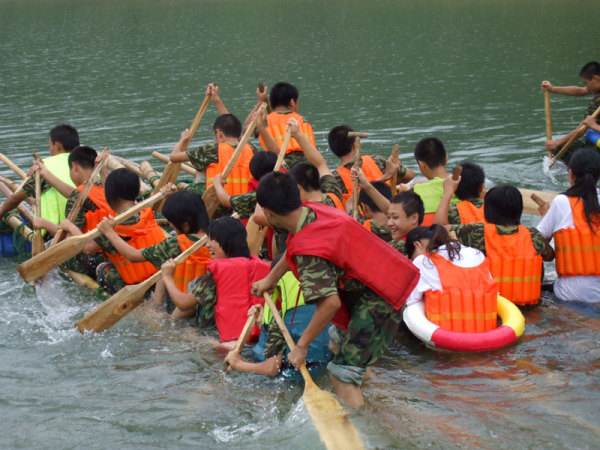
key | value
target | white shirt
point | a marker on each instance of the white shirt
(430, 278)
(583, 288)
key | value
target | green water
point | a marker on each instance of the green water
(130, 75)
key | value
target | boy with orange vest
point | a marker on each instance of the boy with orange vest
(515, 252)
(469, 191)
(333, 257)
(186, 213)
(374, 167)
(283, 100)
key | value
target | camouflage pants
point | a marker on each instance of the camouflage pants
(83, 263)
(108, 278)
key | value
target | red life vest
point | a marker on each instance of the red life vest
(96, 196)
(578, 248)
(144, 233)
(233, 278)
(276, 126)
(239, 178)
(194, 265)
(369, 168)
(469, 213)
(515, 265)
(337, 238)
(468, 299)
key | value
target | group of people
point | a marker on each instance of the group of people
(345, 248)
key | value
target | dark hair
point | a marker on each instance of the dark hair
(278, 192)
(588, 71)
(262, 163)
(307, 176)
(231, 236)
(229, 125)
(414, 235)
(339, 142)
(282, 94)
(585, 167)
(411, 203)
(121, 184)
(439, 237)
(431, 151)
(383, 189)
(503, 205)
(83, 156)
(66, 135)
(471, 181)
(186, 207)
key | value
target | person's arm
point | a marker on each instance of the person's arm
(450, 186)
(382, 203)
(184, 301)
(222, 195)
(215, 97)
(179, 152)
(592, 123)
(269, 367)
(313, 156)
(576, 91)
(268, 283)
(126, 250)
(261, 127)
(12, 202)
(58, 184)
(50, 227)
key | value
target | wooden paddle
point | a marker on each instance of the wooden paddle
(243, 335)
(530, 206)
(576, 135)
(83, 280)
(17, 224)
(37, 242)
(149, 173)
(210, 197)
(548, 115)
(8, 191)
(127, 299)
(184, 166)
(355, 182)
(114, 164)
(39, 265)
(82, 195)
(129, 165)
(12, 166)
(394, 157)
(283, 149)
(331, 421)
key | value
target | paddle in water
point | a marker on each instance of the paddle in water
(37, 243)
(581, 129)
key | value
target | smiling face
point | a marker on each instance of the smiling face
(215, 249)
(399, 223)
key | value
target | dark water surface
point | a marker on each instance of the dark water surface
(130, 75)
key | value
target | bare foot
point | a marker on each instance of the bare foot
(350, 394)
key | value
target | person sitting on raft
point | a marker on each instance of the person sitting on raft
(590, 75)
(271, 350)
(333, 257)
(573, 219)
(469, 191)
(449, 268)
(63, 139)
(405, 213)
(373, 203)
(515, 252)
(221, 296)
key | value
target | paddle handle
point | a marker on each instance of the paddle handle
(284, 146)
(186, 167)
(548, 115)
(538, 200)
(456, 172)
(576, 135)
(38, 241)
(358, 134)
(12, 166)
(8, 191)
(394, 155)
(250, 321)
(355, 182)
(199, 114)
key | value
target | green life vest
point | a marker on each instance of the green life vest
(288, 288)
(53, 202)
(431, 193)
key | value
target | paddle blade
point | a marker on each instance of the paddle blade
(330, 420)
(210, 201)
(37, 244)
(114, 309)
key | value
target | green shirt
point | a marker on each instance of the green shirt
(431, 193)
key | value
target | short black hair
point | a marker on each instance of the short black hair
(415, 235)
(307, 176)
(262, 163)
(382, 187)
(83, 156)
(278, 192)
(339, 142)
(66, 135)
(431, 151)
(229, 125)
(503, 205)
(186, 207)
(472, 179)
(121, 184)
(231, 236)
(590, 69)
(412, 203)
(282, 94)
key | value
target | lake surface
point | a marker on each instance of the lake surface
(130, 75)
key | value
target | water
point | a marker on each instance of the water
(130, 75)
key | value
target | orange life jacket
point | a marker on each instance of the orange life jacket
(368, 225)
(93, 218)
(514, 264)
(578, 248)
(336, 201)
(142, 234)
(428, 219)
(469, 213)
(468, 299)
(369, 168)
(239, 178)
(194, 265)
(276, 126)
(233, 278)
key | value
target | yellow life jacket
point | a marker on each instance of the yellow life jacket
(53, 203)
(287, 295)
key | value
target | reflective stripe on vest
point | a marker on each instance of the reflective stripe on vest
(277, 123)
(336, 201)
(577, 249)
(468, 299)
(54, 203)
(103, 209)
(287, 296)
(369, 168)
(142, 234)
(469, 213)
(239, 178)
(514, 264)
(233, 278)
(194, 265)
